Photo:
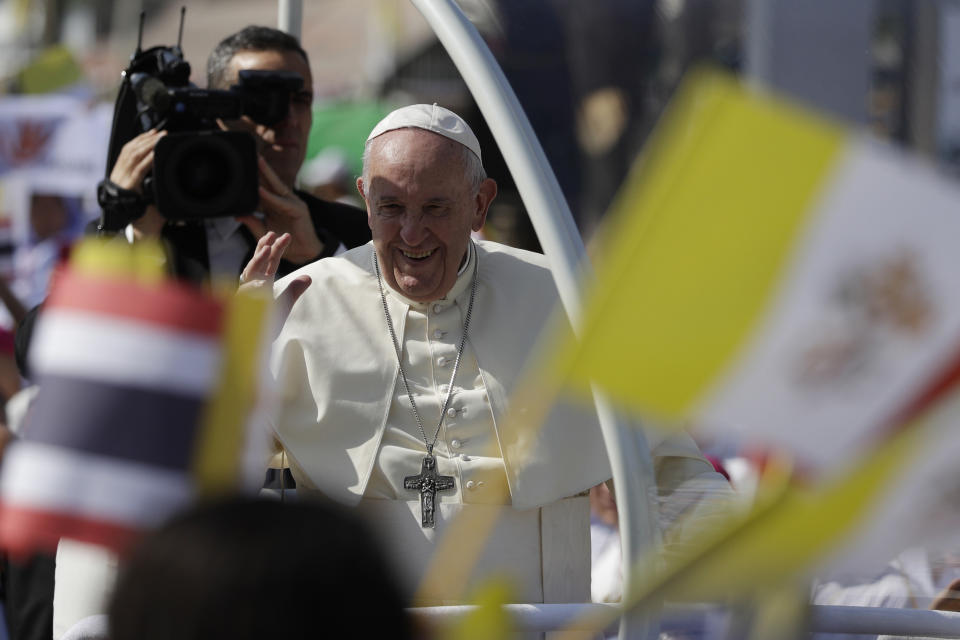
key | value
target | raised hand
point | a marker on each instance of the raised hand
(133, 163)
(262, 268)
(259, 273)
(135, 160)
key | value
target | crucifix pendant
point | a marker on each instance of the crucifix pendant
(428, 482)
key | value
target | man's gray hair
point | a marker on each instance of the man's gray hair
(473, 169)
(251, 38)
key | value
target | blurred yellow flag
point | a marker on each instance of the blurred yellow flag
(788, 536)
(698, 236)
(767, 274)
(488, 621)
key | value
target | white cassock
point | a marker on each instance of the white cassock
(347, 427)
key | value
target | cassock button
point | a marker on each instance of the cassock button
(451, 413)
(437, 334)
(471, 485)
(465, 457)
(456, 444)
(441, 361)
(437, 308)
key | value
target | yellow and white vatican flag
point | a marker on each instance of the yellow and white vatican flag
(773, 276)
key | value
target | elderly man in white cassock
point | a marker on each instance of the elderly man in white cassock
(399, 360)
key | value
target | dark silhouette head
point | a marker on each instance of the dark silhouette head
(253, 569)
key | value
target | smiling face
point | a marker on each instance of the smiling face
(284, 144)
(421, 209)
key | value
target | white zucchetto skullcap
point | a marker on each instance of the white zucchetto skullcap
(431, 118)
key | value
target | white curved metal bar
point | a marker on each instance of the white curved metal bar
(631, 465)
(525, 617)
(823, 618)
(878, 621)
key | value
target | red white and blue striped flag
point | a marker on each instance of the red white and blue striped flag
(132, 410)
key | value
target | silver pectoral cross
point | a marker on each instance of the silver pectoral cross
(428, 482)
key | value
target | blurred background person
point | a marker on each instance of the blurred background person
(55, 224)
(26, 583)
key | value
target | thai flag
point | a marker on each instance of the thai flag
(126, 370)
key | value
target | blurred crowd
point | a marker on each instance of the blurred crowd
(285, 564)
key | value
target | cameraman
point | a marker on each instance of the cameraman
(222, 246)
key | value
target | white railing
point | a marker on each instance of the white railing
(891, 622)
(524, 617)
(823, 619)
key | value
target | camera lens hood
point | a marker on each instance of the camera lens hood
(205, 174)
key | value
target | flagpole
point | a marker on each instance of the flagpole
(630, 459)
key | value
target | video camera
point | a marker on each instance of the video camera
(199, 171)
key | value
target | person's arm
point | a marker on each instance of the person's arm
(5, 437)
(17, 311)
(691, 495)
(949, 598)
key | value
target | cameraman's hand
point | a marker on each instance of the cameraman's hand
(133, 163)
(135, 160)
(284, 213)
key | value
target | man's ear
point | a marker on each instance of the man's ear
(365, 204)
(485, 195)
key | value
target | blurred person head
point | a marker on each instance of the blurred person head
(425, 190)
(327, 176)
(253, 569)
(49, 215)
(283, 145)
